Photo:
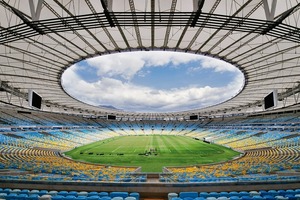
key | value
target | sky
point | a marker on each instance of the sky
(152, 81)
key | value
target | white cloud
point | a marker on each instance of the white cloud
(215, 64)
(218, 65)
(129, 64)
(125, 95)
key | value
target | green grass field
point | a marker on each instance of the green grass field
(152, 152)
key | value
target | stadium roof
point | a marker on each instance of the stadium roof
(41, 38)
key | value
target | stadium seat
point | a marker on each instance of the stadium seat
(254, 193)
(63, 193)
(257, 198)
(21, 196)
(73, 193)
(34, 192)
(106, 198)
(93, 193)
(243, 193)
(130, 198)
(233, 193)
(135, 195)
(203, 194)
(53, 193)
(16, 191)
(176, 198)
(118, 194)
(199, 198)
(117, 198)
(269, 197)
(82, 193)
(45, 197)
(172, 195)
(224, 194)
(103, 194)
(70, 197)
(94, 197)
(291, 197)
(25, 191)
(188, 194)
(3, 195)
(57, 197)
(81, 198)
(281, 198)
(246, 198)
(11, 196)
(214, 194)
(33, 197)
(211, 198)
(6, 190)
(42, 192)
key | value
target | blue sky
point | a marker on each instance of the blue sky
(153, 81)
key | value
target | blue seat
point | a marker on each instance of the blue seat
(188, 198)
(234, 198)
(70, 197)
(42, 192)
(3, 195)
(6, 190)
(214, 194)
(82, 193)
(291, 197)
(11, 196)
(22, 196)
(203, 194)
(95, 197)
(33, 197)
(246, 198)
(57, 197)
(291, 192)
(16, 191)
(269, 197)
(73, 193)
(34, 192)
(199, 198)
(257, 198)
(224, 194)
(93, 193)
(135, 194)
(118, 198)
(223, 198)
(25, 191)
(177, 198)
(282, 192)
(243, 193)
(81, 198)
(211, 198)
(103, 194)
(272, 193)
(62, 193)
(118, 194)
(233, 193)
(105, 198)
(188, 194)
(53, 192)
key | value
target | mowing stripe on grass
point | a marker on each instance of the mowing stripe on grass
(167, 150)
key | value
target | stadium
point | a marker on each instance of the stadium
(56, 144)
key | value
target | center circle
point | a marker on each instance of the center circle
(152, 81)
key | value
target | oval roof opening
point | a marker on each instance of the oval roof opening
(152, 81)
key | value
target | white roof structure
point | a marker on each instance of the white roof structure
(39, 39)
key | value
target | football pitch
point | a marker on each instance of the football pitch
(152, 152)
